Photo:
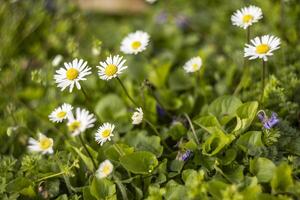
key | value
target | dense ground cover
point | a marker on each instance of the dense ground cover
(211, 134)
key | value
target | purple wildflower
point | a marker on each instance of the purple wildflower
(267, 122)
(161, 18)
(160, 111)
(184, 156)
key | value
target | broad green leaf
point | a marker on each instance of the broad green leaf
(177, 130)
(142, 142)
(223, 107)
(18, 184)
(246, 113)
(87, 193)
(208, 123)
(229, 156)
(250, 142)
(158, 75)
(102, 189)
(175, 191)
(176, 165)
(180, 80)
(112, 153)
(282, 178)
(110, 107)
(215, 188)
(262, 168)
(215, 142)
(141, 162)
(87, 160)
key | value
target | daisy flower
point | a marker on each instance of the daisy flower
(60, 113)
(135, 42)
(112, 67)
(81, 122)
(137, 116)
(56, 60)
(43, 144)
(262, 47)
(193, 65)
(104, 133)
(151, 1)
(71, 74)
(105, 169)
(246, 16)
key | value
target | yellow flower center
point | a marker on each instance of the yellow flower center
(106, 133)
(72, 73)
(247, 18)
(45, 143)
(106, 169)
(136, 44)
(195, 66)
(74, 125)
(61, 114)
(262, 48)
(111, 70)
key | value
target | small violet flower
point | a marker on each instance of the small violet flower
(267, 122)
(184, 156)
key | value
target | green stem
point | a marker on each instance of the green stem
(118, 149)
(263, 81)
(85, 94)
(88, 152)
(50, 176)
(157, 133)
(126, 92)
(192, 128)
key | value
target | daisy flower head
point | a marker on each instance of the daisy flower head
(112, 67)
(105, 169)
(43, 145)
(193, 65)
(60, 113)
(72, 74)
(82, 121)
(151, 1)
(262, 47)
(137, 116)
(104, 133)
(56, 60)
(135, 43)
(246, 16)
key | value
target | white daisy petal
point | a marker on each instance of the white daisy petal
(193, 65)
(43, 145)
(105, 169)
(135, 42)
(60, 113)
(261, 47)
(137, 116)
(246, 16)
(72, 73)
(79, 123)
(112, 67)
(104, 133)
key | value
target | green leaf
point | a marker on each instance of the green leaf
(18, 184)
(246, 113)
(87, 194)
(177, 130)
(158, 75)
(180, 80)
(87, 160)
(262, 168)
(142, 142)
(141, 162)
(112, 154)
(282, 178)
(208, 123)
(110, 107)
(102, 189)
(223, 107)
(215, 142)
(250, 142)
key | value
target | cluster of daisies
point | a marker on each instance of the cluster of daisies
(259, 47)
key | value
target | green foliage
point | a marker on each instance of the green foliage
(232, 156)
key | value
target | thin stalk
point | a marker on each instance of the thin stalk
(192, 128)
(263, 74)
(85, 94)
(157, 133)
(197, 83)
(118, 149)
(88, 152)
(126, 92)
(245, 75)
(50, 176)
